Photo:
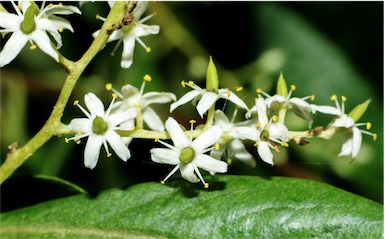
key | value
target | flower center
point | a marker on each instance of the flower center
(264, 135)
(187, 155)
(99, 126)
(28, 25)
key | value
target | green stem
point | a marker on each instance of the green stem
(53, 126)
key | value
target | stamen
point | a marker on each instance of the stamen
(33, 47)
(229, 161)
(106, 148)
(162, 182)
(258, 90)
(343, 98)
(156, 140)
(240, 88)
(276, 148)
(206, 185)
(216, 146)
(368, 125)
(284, 144)
(374, 137)
(258, 124)
(82, 109)
(228, 94)
(116, 47)
(100, 17)
(275, 118)
(333, 97)
(109, 155)
(76, 102)
(148, 49)
(183, 84)
(312, 98)
(66, 140)
(293, 87)
(147, 78)
(61, 29)
(170, 174)
(191, 83)
(108, 86)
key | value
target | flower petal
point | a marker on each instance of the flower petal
(344, 121)
(165, 156)
(261, 110)
(207, 138)
(152, 119)
(13, 47)
(208, 99)
(42, 40)
(118, 145)
(241, 153)
(187, 172)
(119, 117)
(243, 132)
(357, 140)
(157, 97)
(221, 119)
(278, 131)
(210, 164)
(94, 104)
(81, 125)
(265, 153)
(184, 99)
(128, 51)
(178, 136)
(140, 8)
(143, 30)
(92, 150)
(231, 96)
(10, 21)
(325, 109)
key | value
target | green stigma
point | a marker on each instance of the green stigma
(99, 126)
(28, 25)
(187, 155)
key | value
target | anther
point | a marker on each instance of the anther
(374, 137)
(192, 121)
(258, 90)
(343, 98)
(216, 146)
(162, 182)
(191, 83)
(147, 78)
(312, 98)
(258, 124)
(109, 155)
(156, 139)
(114, 95)
(240, 88)
(368, 125)
(284, 144)
(228, 94)
(148, 49)
(76, 102)
(293, 87)
(183, 84)
(229, 161)
(333, 97)
(108, 86)
(66, 140)
(33, 47)
(206, 185)
(275, 118)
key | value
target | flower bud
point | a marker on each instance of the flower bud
(212, 82)
(281, 86)
(359, 110)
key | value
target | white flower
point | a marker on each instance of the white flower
(134, 98)
(32, 24)
(99, 127)
(267, 133)
(131, 32)
(188, 155)
(233, 144)
(206, 98)
(353, 139)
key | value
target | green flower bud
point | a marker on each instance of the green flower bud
(99, 126)
(281, 86)
(359, 110)
(187, 155)
(28, 25)
(212, 82)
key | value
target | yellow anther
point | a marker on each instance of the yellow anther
(229, 161)
(33, 47)
(109, 155)
(228, 94)
(183, 84)
(333, 97)
(114, 95)
(206, 185)
(147, 77)
(133, 128)
(293, 87)
(148, 49)
(368, 125)
(258, 124)
(258, 90)
(97, 16)
(162, 182)
(49, 5)
(275, 118)
(108, 86)
(240, 88)
(156, 139)
(256, 145)
(191, 83)
(276, 149)
(343, 98)
(66, 140)
(216, 146)
(374, 137)
(312, 98)
(284, 144)
(61, 29)
(60, 4)
(76, 102)
(192, 121)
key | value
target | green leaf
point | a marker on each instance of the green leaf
(233, 207)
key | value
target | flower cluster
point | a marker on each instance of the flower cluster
(213, 146)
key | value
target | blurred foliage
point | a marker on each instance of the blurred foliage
(323, 48)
